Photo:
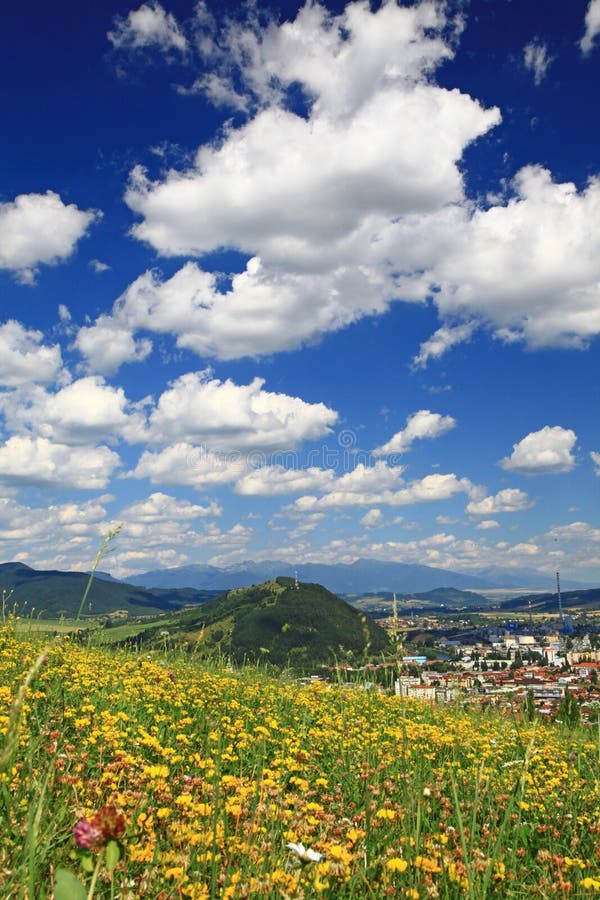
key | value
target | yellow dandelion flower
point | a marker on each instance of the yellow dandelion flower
(387, 815)
(396, 864)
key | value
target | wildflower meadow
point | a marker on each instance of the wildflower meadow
(127, 775)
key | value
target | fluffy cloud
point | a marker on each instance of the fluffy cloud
(420, 425)
(158, 531)
(526, 549)
(159, 507)
(276, 480)
(262, 311)
(544, 452)
(372, 519)
(358, 201)
(229, 417)
(340, 60)
(592, 26)
(537, 59)
(312, 184)
(39, 228)
(38, 461)
(378, 485)
(216, 432)
(441, 341)
(575, 531)
(84, 412)
(596, 460)
(27, 526)
(267, 311)
(23, 357)
(167, 543)
(529, 268)
(186, 464)
(148, 26)
(57, 536)
(196, 408)
(507, 500)
(487, 524)
(106, 346)
(310, 199)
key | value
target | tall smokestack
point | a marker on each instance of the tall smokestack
(560, 609)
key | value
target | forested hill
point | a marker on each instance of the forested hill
(51, 594)
(281, 623)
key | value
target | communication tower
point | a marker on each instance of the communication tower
(560, 609)
(296, 582)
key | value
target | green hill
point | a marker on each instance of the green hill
(52, 594)
(571, 600)
(281, 623)
(380, 605)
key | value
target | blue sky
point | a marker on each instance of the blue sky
(301, 282)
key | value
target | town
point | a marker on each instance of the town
(547, 666)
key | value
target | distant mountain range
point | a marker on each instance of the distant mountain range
(366, 584)
(361, 576)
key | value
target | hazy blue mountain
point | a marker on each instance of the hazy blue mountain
(361, 576)
(530, 579)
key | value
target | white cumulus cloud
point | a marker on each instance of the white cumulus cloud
(261, 312)
(311, 199)
(39, 228)
(544, 452)
(420, 425)
(378, 485)
(38, 461)
(106, 346)
(277, 479)
(528, 268)
(159, 507)
(595, 457)
(200, 409)
(357, 202)
(592, 26)
(86, 411)
(185, 464)
(24, 358)
(575, 531)
(25, 528)
(148, 26)
(340, 60)
(507, 500)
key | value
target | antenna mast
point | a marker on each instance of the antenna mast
(560, 609)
